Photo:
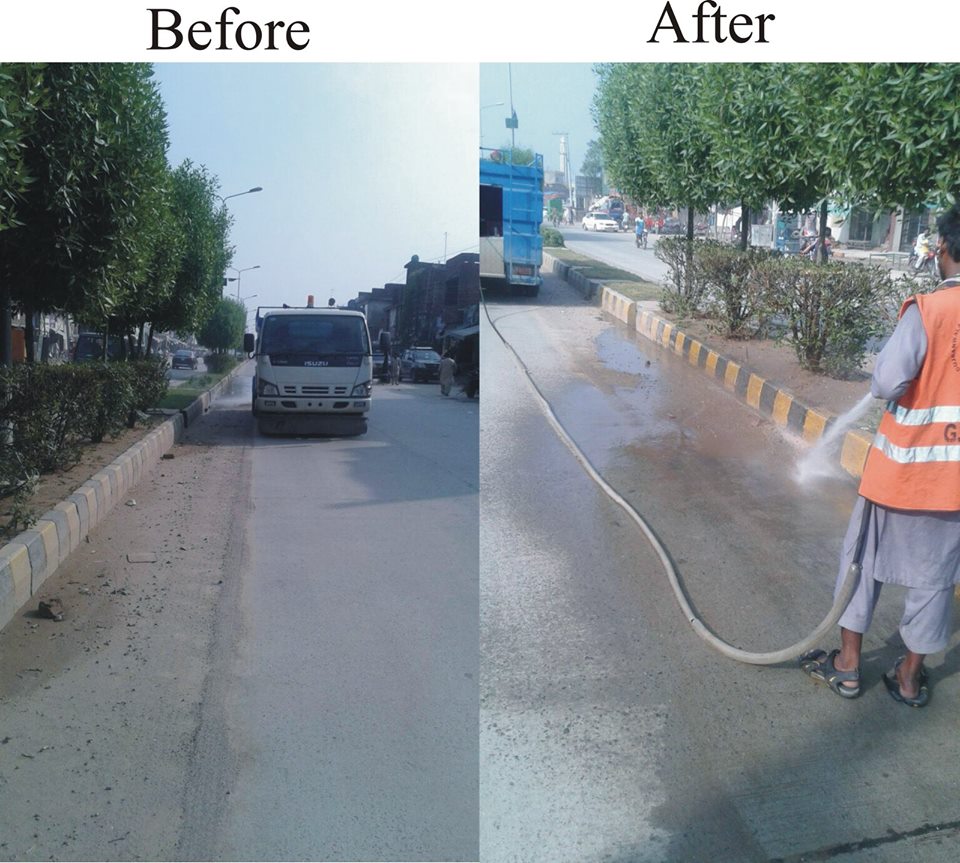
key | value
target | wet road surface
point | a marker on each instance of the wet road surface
(609, 731)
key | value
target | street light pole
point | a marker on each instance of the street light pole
(238, 194)
(238, 272)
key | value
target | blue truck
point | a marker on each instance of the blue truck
(511, 210)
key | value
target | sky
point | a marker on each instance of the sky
(548, 98)
(361, 165)
(365, 144)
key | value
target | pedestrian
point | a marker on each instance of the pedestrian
(909, 504)
(448, 368)
(395, 369)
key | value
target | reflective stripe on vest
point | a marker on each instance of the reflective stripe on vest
(916, 454)
(925, 416)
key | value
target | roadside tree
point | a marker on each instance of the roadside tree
(203, 253)
(96, 155)
(906, 154)
(223, 331)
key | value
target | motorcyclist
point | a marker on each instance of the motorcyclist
(640, 229)
(921, 249)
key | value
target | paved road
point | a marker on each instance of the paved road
(293, 677)
(608, 730)
(618, 250)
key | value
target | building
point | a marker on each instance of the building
(435, 299)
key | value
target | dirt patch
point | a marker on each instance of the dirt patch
(59, 485)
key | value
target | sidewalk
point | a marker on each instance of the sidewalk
(764, 375)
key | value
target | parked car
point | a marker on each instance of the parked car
(183, 359)
(89, 347)
(420, 364)
(600, 222)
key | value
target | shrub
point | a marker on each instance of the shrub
(220, 362)
(735, 287)
(551, 236)
(46, 408)
(49, 412)
(684, 289)
(833, 311)
(114, 400)
(150, 382)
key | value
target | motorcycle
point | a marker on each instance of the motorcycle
(641, 239)
(923, 257)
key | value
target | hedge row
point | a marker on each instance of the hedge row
(830, 313)
(49, 412)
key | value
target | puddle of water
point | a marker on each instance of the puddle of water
(619, 355)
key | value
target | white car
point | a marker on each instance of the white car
(600, 222)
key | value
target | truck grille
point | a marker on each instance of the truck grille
(313, 390)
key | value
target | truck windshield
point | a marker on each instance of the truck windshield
(314, 334)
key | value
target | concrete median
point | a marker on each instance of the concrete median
(31, 557)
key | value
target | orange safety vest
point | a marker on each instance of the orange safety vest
(914, 463)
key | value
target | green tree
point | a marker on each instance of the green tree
(906, 153)
(21, 95)
(223, 330)
(621, 113)
(659, 147)
(765, 122)
(203, 254)
(593, 161)
(519, 155)
(96, 155)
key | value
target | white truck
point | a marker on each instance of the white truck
(314, 370)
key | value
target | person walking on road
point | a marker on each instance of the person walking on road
(395, 369)
(448, 368)
(909, 504)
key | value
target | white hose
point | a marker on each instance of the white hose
(699, 627)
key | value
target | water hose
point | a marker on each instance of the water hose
(841, 600)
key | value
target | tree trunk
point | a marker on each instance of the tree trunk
(29, 334)
(6, 326)
(690, 217)
(822, 244)
(149, 342)
(744, 227)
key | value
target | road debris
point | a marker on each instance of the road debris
(51, 608)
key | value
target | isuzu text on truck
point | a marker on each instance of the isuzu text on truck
(314, 370)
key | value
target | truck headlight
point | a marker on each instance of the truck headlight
(362, 390)
(265, 388)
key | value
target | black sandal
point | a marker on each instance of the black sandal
(819, 665)
(893, 687)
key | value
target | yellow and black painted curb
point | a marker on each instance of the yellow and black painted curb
(769, 399)
(31, 557)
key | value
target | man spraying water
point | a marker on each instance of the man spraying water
(905, 527)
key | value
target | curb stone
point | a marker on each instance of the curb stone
(31, 557)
